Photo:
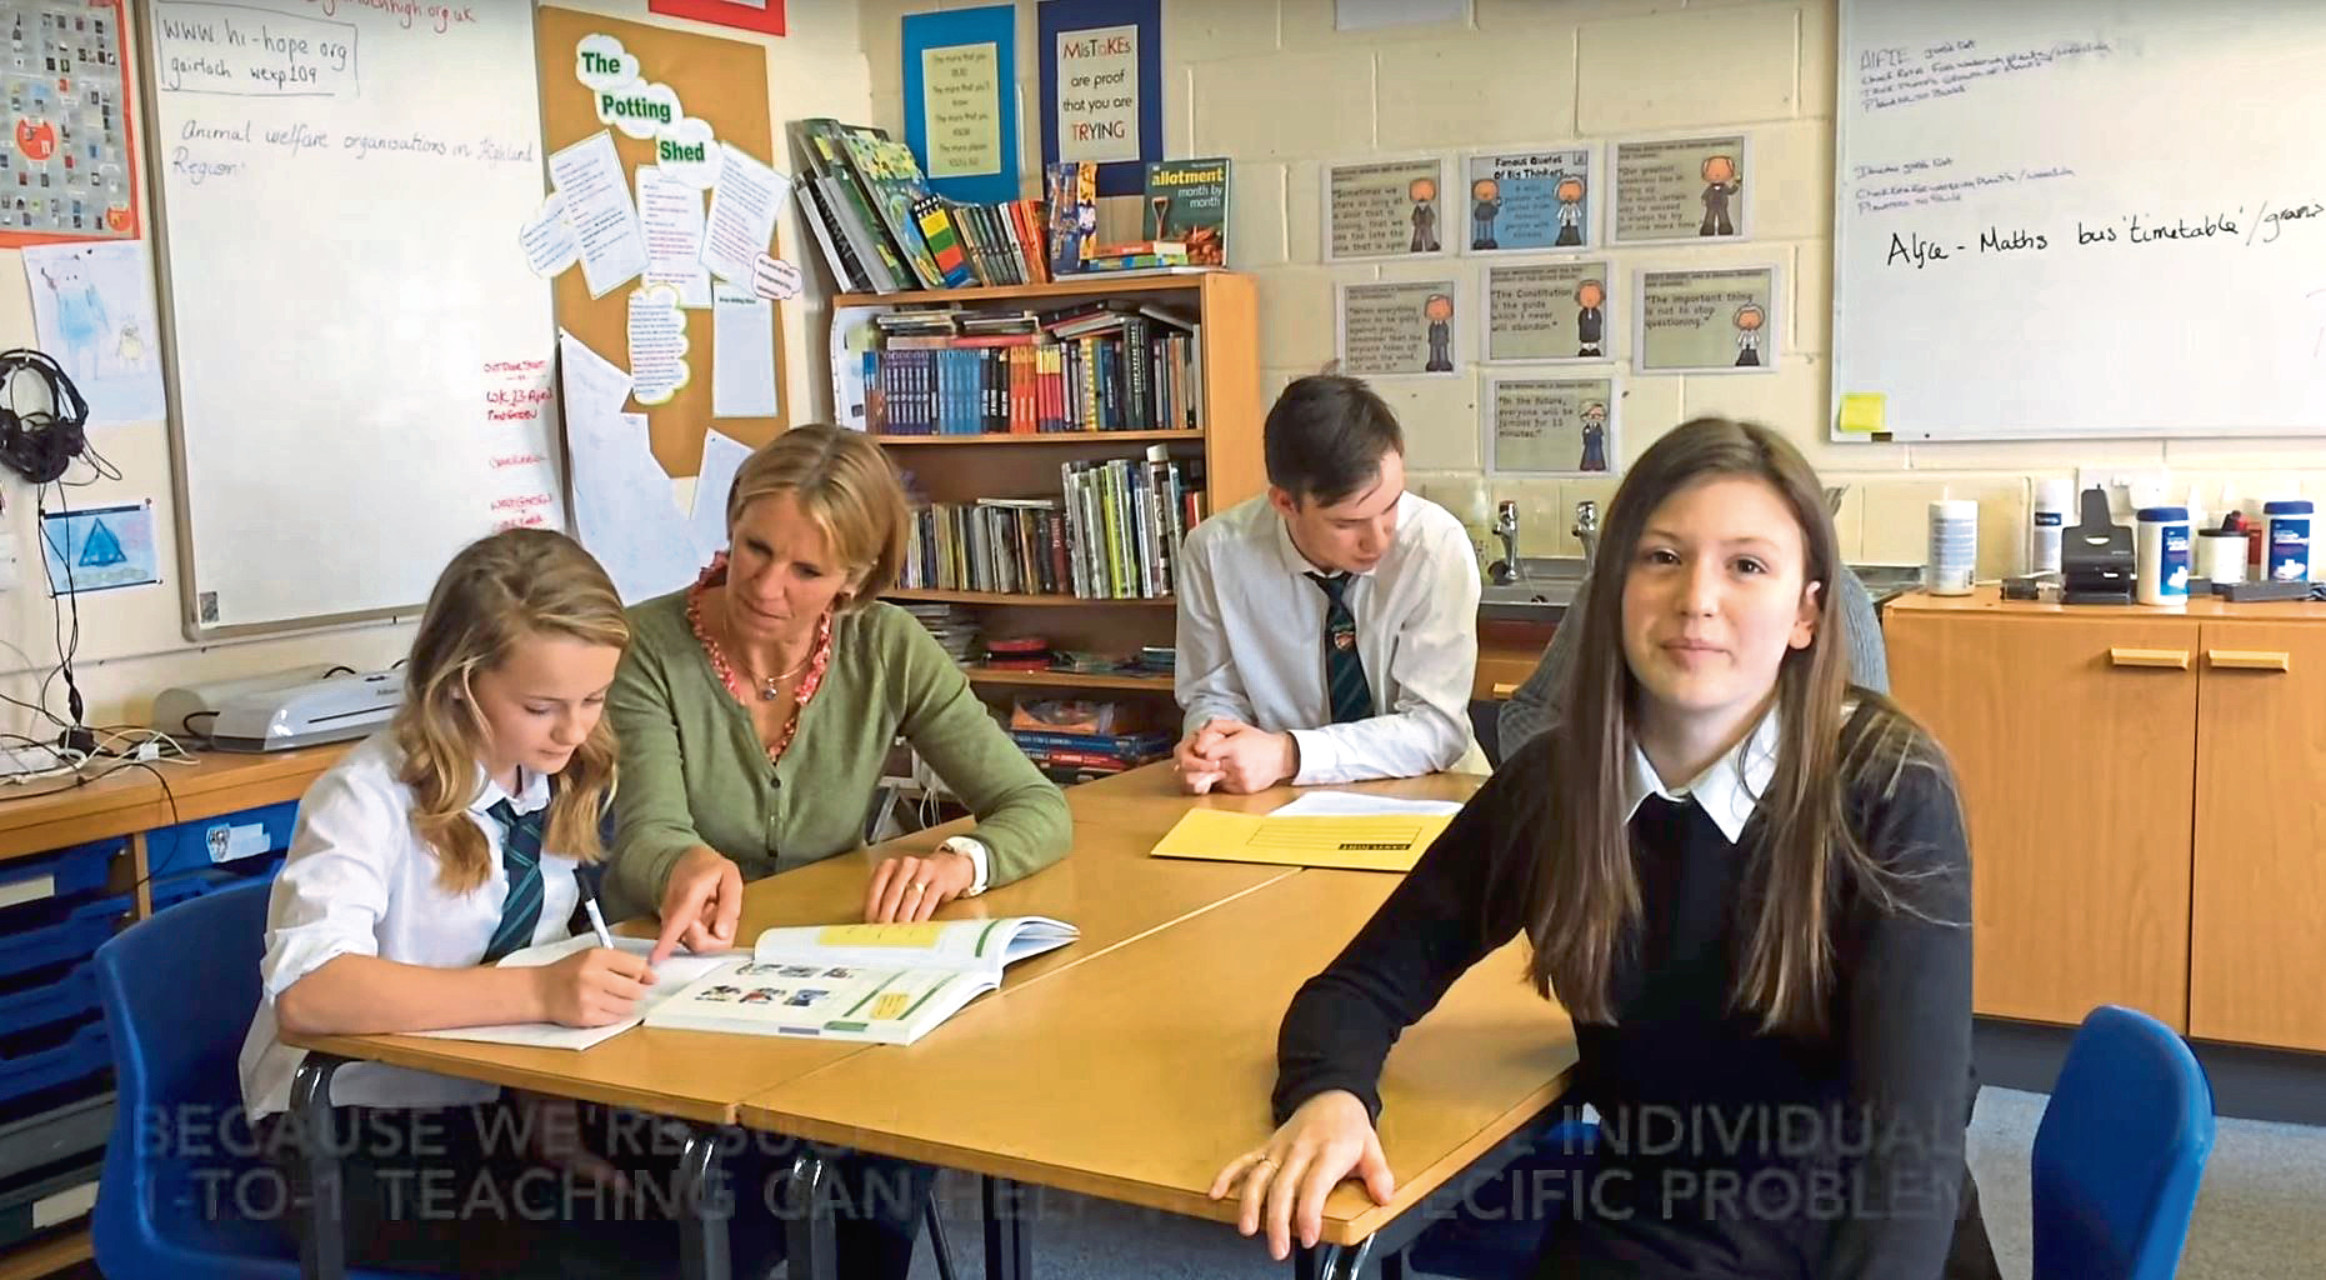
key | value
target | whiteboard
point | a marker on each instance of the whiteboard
(359, 359)
(2081, 217)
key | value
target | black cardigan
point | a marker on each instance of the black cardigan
(1723, 1151)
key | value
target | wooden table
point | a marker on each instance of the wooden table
(55, 813)
(1108, 888)
(1164, 941)
(1141, 1072)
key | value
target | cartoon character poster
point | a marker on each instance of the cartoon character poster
(1714, 321)
(1683, 189)
(1551, 426)
(1406, 327)
(1550, 312)
(1531, 201)
(1385, 209)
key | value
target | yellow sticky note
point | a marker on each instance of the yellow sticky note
(922, 936)
(1862, 412)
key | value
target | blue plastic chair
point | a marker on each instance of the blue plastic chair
(2118, 1158)
(2120, 1152)
(179, 990)
(1499, 1231)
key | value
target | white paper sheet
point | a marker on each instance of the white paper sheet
(1351, 804)
(671, 214)
(775, 279)
(623, 509)
(676, 973)
(593, 384)
(92, 309)
(742, 355)
(658, 345)
(548, 238)
(597, 201)
(744, 203)
(723, 455)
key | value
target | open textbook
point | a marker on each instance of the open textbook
(671, 977)
(888, 983)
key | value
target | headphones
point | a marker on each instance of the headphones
(39, 446)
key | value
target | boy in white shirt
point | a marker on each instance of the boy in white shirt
(1328, 629)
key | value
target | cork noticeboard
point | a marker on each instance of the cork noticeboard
(720, 82)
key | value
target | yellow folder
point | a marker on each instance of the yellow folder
(1373, 842)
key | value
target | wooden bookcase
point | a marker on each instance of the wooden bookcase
(963, 468)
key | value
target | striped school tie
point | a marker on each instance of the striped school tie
(1351, 697)
(521, 854)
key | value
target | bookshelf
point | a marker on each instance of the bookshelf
(963, 468)
(1022, 599)
(1042, 437)
(1112, 682)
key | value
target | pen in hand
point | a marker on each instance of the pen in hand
(598, 921)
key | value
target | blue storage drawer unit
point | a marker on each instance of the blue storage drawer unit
(38, 935)
(44, 1058)
(62, 874)
(37, 997)
(185, 886)
(229, 837)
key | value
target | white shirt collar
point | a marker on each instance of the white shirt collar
(1297, 562)
(1728, 790)
(532, 791)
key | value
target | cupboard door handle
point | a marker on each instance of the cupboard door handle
(2176, 659)
(2250, 659)
(1505, 689)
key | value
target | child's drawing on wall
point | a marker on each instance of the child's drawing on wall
(1439, 311)
(1590, 321)
(1749, 319)
(1721, 184)
(1570, 193)
(1485, 203)
(1594, 437)
(1424, 193)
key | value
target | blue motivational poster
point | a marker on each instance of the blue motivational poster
(1102, 88)
(1529, 201)
(961, 101)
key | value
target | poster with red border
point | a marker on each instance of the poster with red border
(68, 158)
(763, 16)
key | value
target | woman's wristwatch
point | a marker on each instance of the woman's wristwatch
(978, 856)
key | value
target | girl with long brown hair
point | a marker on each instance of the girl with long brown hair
(1746, 882)
(427, 854)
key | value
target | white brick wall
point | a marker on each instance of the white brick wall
(1272, 85)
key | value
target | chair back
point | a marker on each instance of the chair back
(2120, 1152)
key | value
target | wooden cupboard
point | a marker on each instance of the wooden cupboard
(2146, 793)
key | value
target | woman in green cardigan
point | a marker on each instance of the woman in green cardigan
(756, 709)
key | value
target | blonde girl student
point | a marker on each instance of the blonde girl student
(430, 851)
(1748, 885)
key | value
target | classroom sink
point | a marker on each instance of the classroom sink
(1540, 591)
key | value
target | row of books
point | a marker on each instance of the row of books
(1073, 740)
(881, 229)
(1112, 534)
(1135, 375)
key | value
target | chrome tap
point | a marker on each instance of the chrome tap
(1587, 529)
(1506, 528)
